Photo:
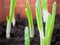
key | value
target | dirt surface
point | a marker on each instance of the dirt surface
(17, 33)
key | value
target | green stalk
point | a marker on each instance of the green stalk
(12, 7)
(27, 36)
(46, 40)
(39, 21)
(30, 19)
(49, 26)
(44, 4)
(9, 21)
(39, 16)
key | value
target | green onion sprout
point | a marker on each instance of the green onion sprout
(30, 19)
(39, 20)
(11, 15)
(27, 36)
(49, 26)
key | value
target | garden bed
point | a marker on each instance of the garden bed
(17, 33)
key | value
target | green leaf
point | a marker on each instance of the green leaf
(46, 41)
(27, 36)
(39, 21)
(39, 15)
(30, 19)
(29, 15)
(52, 20)
(50, 25)
(12, 7)
(44, 4)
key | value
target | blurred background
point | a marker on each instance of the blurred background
(20, 8)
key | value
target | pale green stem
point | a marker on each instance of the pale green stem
(27, 36)
(41, 33)
(8, 29)
(31, 32)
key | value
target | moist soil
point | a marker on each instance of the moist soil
(17, 33)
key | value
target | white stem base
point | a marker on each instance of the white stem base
(32, 32)
(45, 15)
(13, 21)
(8, 29)
(41, 37)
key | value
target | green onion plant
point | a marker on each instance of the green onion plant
(49, 25)
(30, 19)
(39, 20)
(27, 36)
(11, 17)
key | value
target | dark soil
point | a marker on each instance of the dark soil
(17, 33)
